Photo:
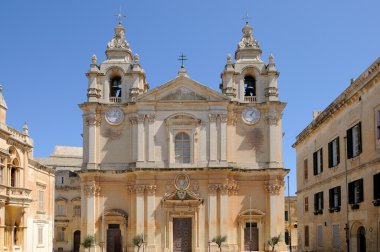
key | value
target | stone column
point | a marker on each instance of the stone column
(140, 138)
(151, 144)
(140, 209)
(150, 207)
(275, 191)
(93, 122)
(212, 211)
(223, 138)
(224, 217)
(213, 137)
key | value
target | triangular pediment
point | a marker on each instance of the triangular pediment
(182, 89)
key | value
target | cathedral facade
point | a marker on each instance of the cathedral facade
(181, 164)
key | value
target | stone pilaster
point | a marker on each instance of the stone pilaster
(213, 140)
(275, 191)
(223, 137)
(151, 229)
(151, 145)
(212, 211)
(93, 121)
(140, 138)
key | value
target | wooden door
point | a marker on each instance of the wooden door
(182, 235)
(113, 240)
(76, 241)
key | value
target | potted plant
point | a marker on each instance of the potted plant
(88, 242)
(273, 242)
(138, 241)
(219, 240)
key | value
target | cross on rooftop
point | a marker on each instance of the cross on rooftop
(246, 17)
(120, 16)
(182, 58)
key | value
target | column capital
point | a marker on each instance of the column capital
(212, 117)
(151, 189)
(273, 187)
(92, 119)
(91, 189)
(212, 188)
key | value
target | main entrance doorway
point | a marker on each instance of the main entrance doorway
(76, 241)
(182, 235)
(113, 238)
(251, 233)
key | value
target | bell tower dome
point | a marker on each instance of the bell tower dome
(249, 79)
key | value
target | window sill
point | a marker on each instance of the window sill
(334, 209)
(316, 212)
(376, 202)
(355, 206)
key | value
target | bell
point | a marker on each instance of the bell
(115, 84)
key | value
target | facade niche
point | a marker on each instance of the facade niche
(249, 86)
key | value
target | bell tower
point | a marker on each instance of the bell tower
(249, 79)
(120, 77)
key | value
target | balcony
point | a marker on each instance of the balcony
(250, 98)
(115, 99)
(18, 196)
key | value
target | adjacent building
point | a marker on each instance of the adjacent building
(66, 161)
(182, 163)
(291, 223)
(338, 171)
(26, 192)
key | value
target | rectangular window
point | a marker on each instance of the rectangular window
(305, 170)
(60, 234)
(376, 186)
(378, 123)
(76, 210)
(334, 199)
(306, 236)
(60, 210)
(286, 215)
(335, 234)
(40, 235)
(355, 192)
(334, 158)
(61, 180)
(41, 203)
(318, 203)
(320, 236)
(306, 204)
(354, 141)
(318, 161)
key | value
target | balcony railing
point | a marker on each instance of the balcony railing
(250, 98)
(115, 99)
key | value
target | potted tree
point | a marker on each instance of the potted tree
(138, 241)
(219, 240)
(273, 242)
(88, 242)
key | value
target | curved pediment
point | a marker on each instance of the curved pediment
(116, 212)
(252, 212)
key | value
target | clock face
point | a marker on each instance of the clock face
(114, 116)
(251, 115)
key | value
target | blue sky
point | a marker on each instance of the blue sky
(46, 47)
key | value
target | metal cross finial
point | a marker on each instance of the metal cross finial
(120, 16)
(246, 17)
(182, 58)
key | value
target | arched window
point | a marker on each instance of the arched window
(249, 86)
(13, 177)
(115, 86)
(182, 148)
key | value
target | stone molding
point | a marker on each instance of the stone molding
(272, 117)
